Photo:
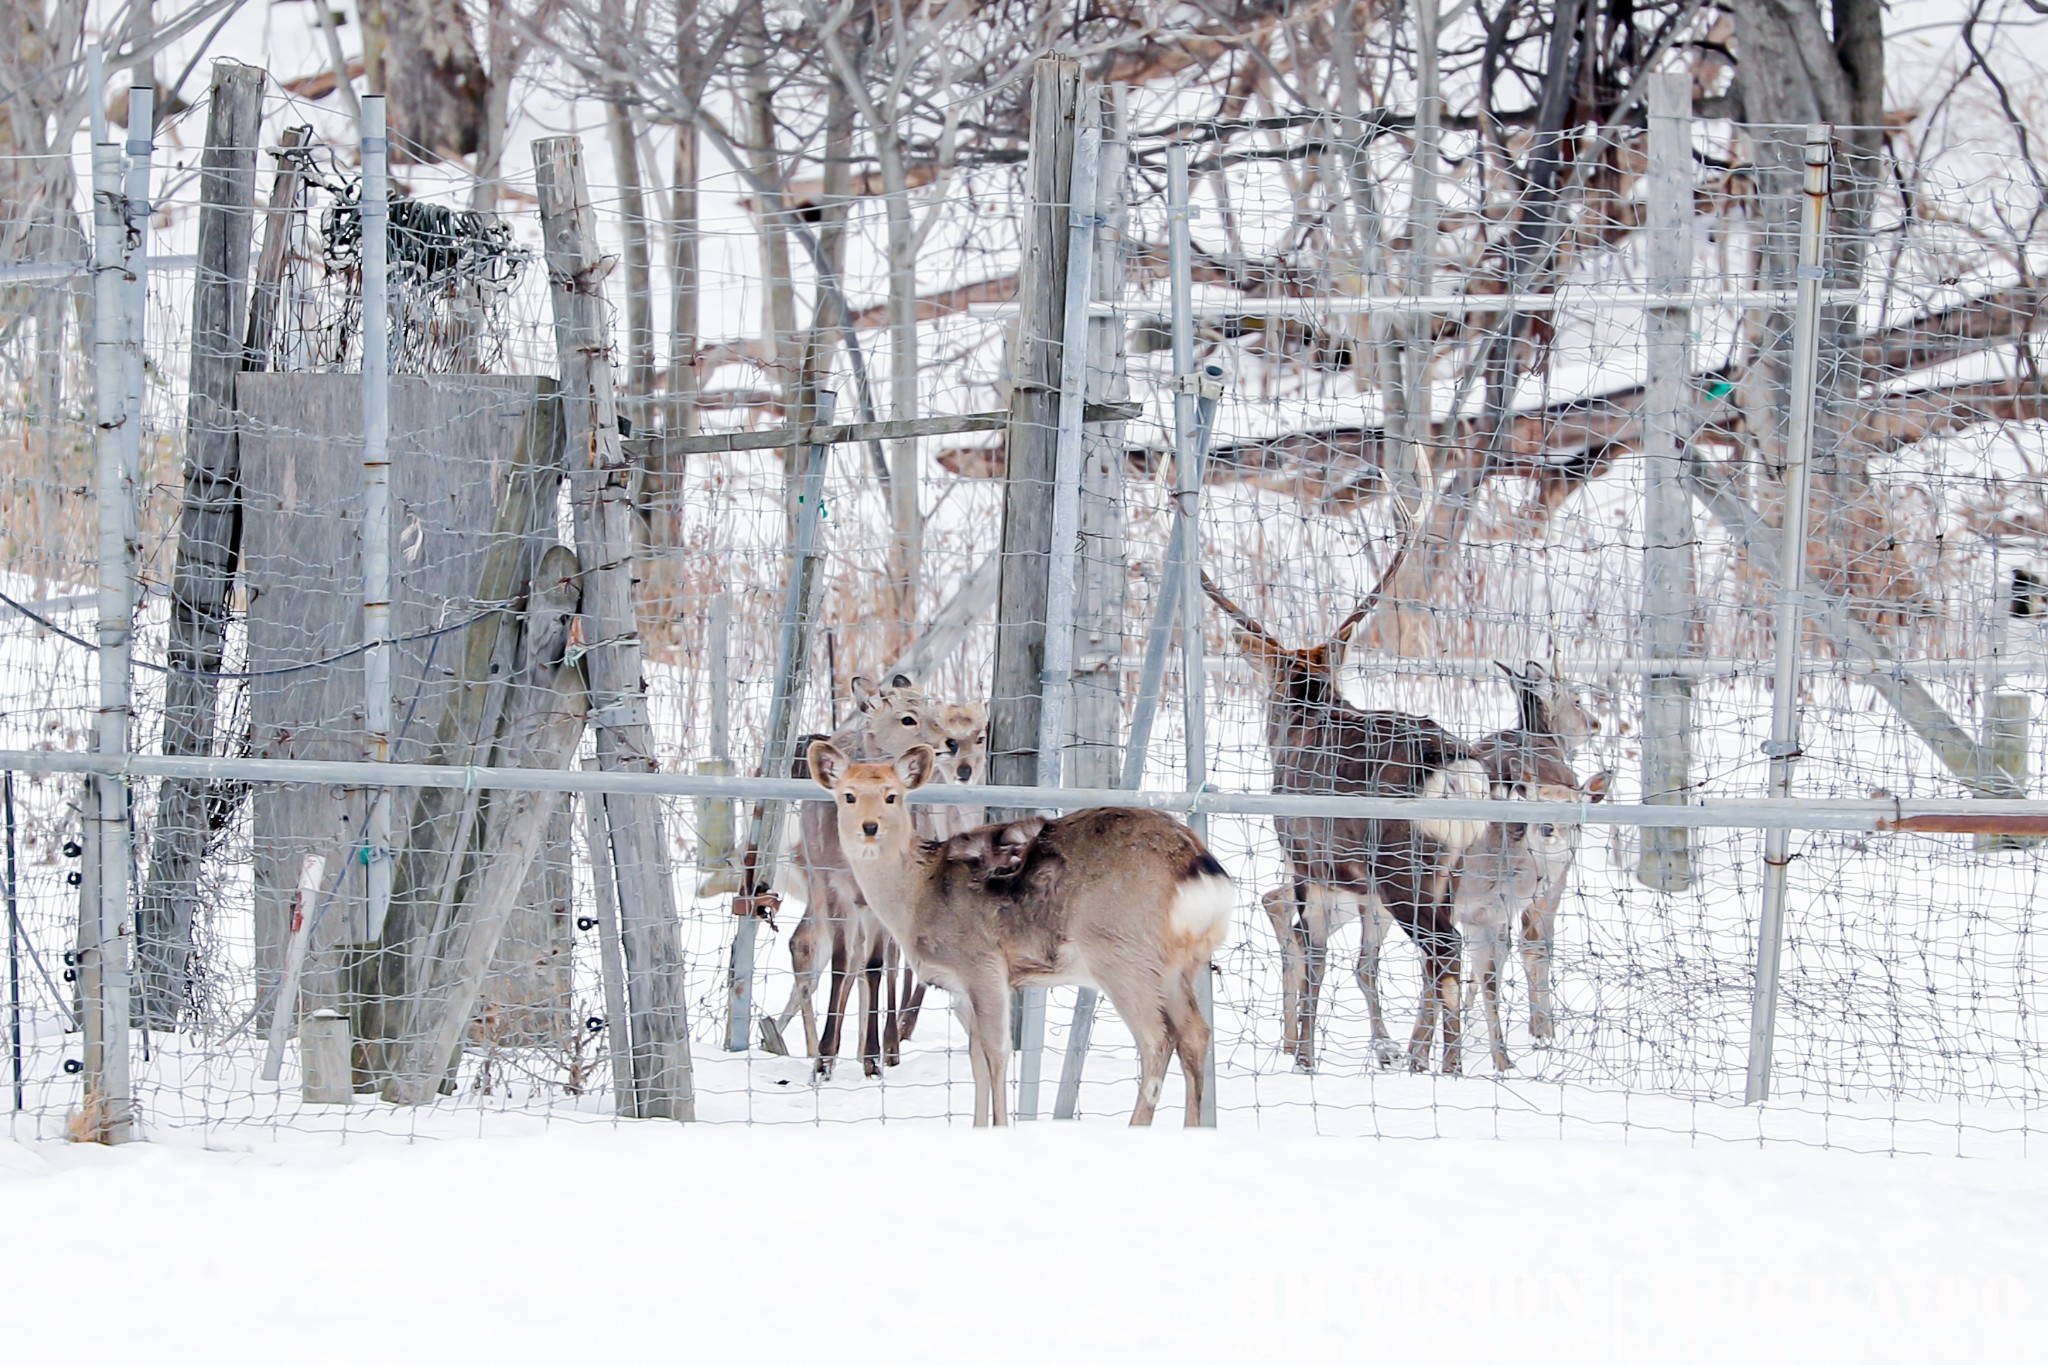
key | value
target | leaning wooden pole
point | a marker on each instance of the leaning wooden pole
(209, 537)
(600, 494)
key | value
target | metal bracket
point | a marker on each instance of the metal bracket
(1200, 384)
(1782, 748)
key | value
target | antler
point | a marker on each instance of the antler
(1379, 590)
(1236, 613)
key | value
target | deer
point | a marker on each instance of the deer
(1129, 901)
(963, 759)
(1514, 868)
(1322, 744)
(1553, 726)
(1518, 869)
(836, 930)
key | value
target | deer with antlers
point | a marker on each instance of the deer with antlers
(1321, 744)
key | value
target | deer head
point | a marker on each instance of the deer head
(1548, 705)
(963, 744)
(874, 816)
(1309, 674)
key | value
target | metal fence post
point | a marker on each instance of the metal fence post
(1783, 748)
(792, 670)
(141, 169)
(1189, 391)
(377, 854)
(1665, 860)
(108, 1111)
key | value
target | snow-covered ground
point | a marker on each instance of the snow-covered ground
(1082, 1242)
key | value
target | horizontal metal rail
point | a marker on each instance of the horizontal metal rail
(1563, 302)
(1925, 816)
(29, 272)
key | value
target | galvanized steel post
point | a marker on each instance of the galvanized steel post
(1783, 748)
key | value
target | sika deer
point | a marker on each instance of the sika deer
(836, 928)
(1506, 861)
(1554, 725)
(963, 759)
(1129, 901)
(1514, 868)
(1322, 744)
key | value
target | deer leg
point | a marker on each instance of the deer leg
(913, 992)
(1315, 958)
(1372, 936)
(1449, 957)
(871, 1009)
(1280, 905)
(977, 1060)
(988, 1042)
(835, 1003)
(805, 966)
(1539, 930)
(1140, 996)
(1190, 1036)
(1489, 950)
(892, 1019)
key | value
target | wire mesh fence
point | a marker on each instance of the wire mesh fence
(1479, 436)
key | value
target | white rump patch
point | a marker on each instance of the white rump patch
(1202, 909)
(1464, 780)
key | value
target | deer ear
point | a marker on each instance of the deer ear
(864, 693)
(916, 766)
(828, 764)
(1599, 785)
(1533, 671)
(900, 680)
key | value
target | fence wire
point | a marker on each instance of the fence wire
(1519, 374)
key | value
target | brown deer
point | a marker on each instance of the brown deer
(1129, 901)
(1322, 744)
(836, 929)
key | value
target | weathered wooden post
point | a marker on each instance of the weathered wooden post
(1669, 610)
(600, 485)
(1096, 704)
(1016, 705)
(209, 544)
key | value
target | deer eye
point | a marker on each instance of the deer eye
(910, 720)
(849, 798)
(890, 799)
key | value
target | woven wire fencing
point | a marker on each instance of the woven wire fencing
(1490, 407)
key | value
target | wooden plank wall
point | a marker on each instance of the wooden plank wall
(452, 439)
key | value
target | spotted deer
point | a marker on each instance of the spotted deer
(1128, 901)
(1322, 744)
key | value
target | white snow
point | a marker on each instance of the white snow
(1051, 1242)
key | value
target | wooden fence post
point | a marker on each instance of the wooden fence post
(209, 534)
(1017, 701)
(600, 489)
